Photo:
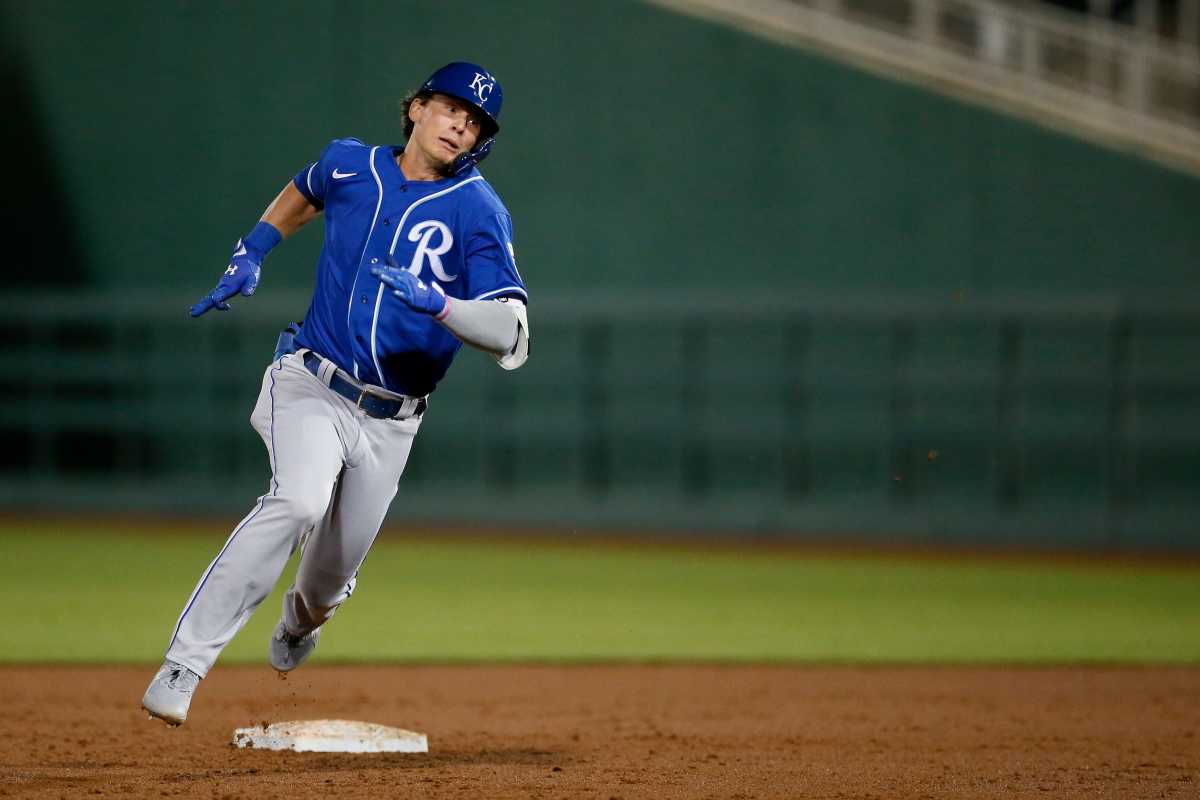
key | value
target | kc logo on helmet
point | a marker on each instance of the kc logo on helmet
(482, 86)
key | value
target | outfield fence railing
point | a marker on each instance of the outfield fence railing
(1066, 422)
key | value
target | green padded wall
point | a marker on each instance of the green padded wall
(640, 149)
(770, 292)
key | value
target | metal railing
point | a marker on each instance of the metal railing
(1111, 82)
(878, 415)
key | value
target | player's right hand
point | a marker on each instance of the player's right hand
(241, 277)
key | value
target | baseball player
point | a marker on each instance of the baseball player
(417, 259)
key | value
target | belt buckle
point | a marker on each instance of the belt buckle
(361, 395)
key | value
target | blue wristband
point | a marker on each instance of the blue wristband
(262, 239)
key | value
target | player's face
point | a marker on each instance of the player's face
(444, 127)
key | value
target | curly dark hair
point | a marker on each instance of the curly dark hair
(406, 103)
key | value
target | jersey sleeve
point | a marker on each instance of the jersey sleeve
(314, 178)
(492, 261)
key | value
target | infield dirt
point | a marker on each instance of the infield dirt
(625, 732)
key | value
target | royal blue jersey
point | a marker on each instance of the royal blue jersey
(454, 232)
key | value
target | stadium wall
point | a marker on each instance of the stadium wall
(770, 293)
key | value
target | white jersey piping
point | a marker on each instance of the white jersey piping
(374, 324)
(354, 285)
(392, 251)
(501, 290)
(404, 217)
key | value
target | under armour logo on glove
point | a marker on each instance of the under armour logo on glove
(236, 280)
(245, 265)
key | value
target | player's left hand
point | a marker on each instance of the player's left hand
(241, 277)
(428, 298)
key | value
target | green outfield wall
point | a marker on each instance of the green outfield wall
(1012, 424)
(640, 150)
(769, 292)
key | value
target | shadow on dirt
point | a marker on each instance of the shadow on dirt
(348, 762)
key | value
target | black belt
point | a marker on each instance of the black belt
(373, 405)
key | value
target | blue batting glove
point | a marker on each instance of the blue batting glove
(428, 298)
(245, 267)
(241, 277)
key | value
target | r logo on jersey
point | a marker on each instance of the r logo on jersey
(481, 87)
(423, 234)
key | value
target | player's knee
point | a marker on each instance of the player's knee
(304, 511)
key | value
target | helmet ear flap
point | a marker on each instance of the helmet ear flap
(469, 159)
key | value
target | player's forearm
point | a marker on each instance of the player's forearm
(486, 324)
(289, 211)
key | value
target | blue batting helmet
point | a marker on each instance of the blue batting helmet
(472, 84)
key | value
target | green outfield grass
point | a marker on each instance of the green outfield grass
(80, 592)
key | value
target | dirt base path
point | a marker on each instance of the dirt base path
(625, 732)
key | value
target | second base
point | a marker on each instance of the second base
(331, 736)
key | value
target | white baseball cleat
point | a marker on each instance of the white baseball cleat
(287, 651)
(170, 693)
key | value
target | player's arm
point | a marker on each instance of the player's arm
(287, 213)
(290, 211)
(499, 327)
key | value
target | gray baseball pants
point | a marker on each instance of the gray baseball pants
(334, 474)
